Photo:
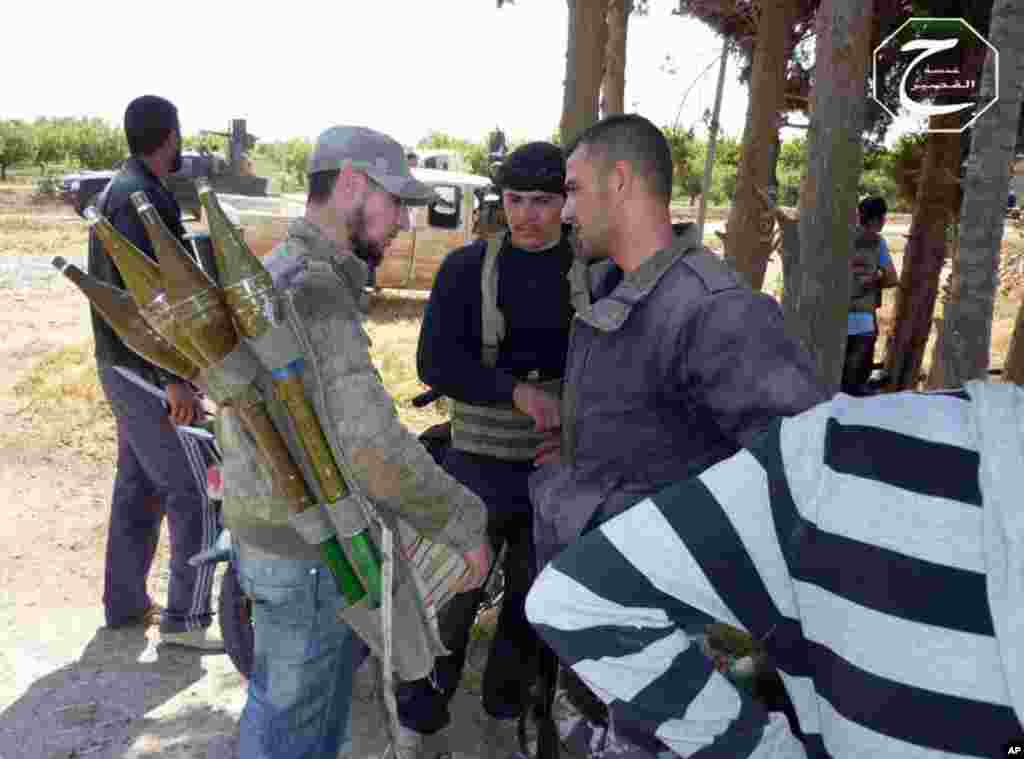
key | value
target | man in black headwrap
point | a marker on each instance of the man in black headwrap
(494, 340)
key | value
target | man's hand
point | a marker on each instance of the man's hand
(478, 564)
(544, 408)
(184, 405)
(550, 449)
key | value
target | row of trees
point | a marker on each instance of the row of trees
(89, 143)
(95, 144)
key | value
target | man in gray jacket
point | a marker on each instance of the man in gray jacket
(673, 363)
(300, 689)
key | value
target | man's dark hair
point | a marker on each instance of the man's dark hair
(871, 209)
(321, 185)
(148, 122)
(630, 137)
(411, 155)
(535, 166)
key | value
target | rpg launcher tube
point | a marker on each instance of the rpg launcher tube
(363, 553)
(142, 277)
(252, 299)
(288, 481)
(122, 314)
(197, 307)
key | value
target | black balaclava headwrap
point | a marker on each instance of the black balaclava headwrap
(533, 167)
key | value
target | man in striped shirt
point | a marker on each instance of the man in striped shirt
(875, 547)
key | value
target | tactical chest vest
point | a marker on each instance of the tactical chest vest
(499, 430)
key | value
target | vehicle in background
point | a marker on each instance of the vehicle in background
(468, 208)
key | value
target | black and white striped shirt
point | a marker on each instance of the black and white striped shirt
(850, 540)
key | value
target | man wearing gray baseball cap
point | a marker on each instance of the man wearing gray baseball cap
(300, 689)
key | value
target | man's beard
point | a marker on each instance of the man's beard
(585, 251)
(176, 164)
(370, 252)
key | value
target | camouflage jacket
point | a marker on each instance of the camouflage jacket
(381, 460)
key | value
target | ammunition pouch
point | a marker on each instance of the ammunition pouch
(503, 432)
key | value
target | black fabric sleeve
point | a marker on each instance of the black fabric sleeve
(448, 357)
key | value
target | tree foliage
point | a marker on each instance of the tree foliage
(17, 145)
(98, 145)
(213, 143)
(290, 157)
(684, 151)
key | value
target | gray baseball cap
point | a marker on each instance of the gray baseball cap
(376, 154)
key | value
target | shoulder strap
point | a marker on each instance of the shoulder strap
(492, 321)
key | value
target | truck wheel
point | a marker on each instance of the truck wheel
(235, 611)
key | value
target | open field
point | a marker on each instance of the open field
(67, 686)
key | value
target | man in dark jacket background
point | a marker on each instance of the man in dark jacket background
(159, 469)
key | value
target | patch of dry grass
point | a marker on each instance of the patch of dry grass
(64, 405)
(394, 328)
(31, 227)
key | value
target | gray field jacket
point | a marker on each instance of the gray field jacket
(666, 375)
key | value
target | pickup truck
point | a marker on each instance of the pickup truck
(468, 208)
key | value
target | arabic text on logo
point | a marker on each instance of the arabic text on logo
(932, 67)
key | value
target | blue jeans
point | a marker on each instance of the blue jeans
(300, 691)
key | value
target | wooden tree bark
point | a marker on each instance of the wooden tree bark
(965, 334)
(924, 256)
(817, 298)
(613, 87)
(584, 66)
(744, 247)
(1013, 370)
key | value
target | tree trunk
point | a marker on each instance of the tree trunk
(3, 172)
(613, 88)
(924, 256)
(1013, 370)
(744, 248)
(965, 335)
(818, 298)
(584, 66)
